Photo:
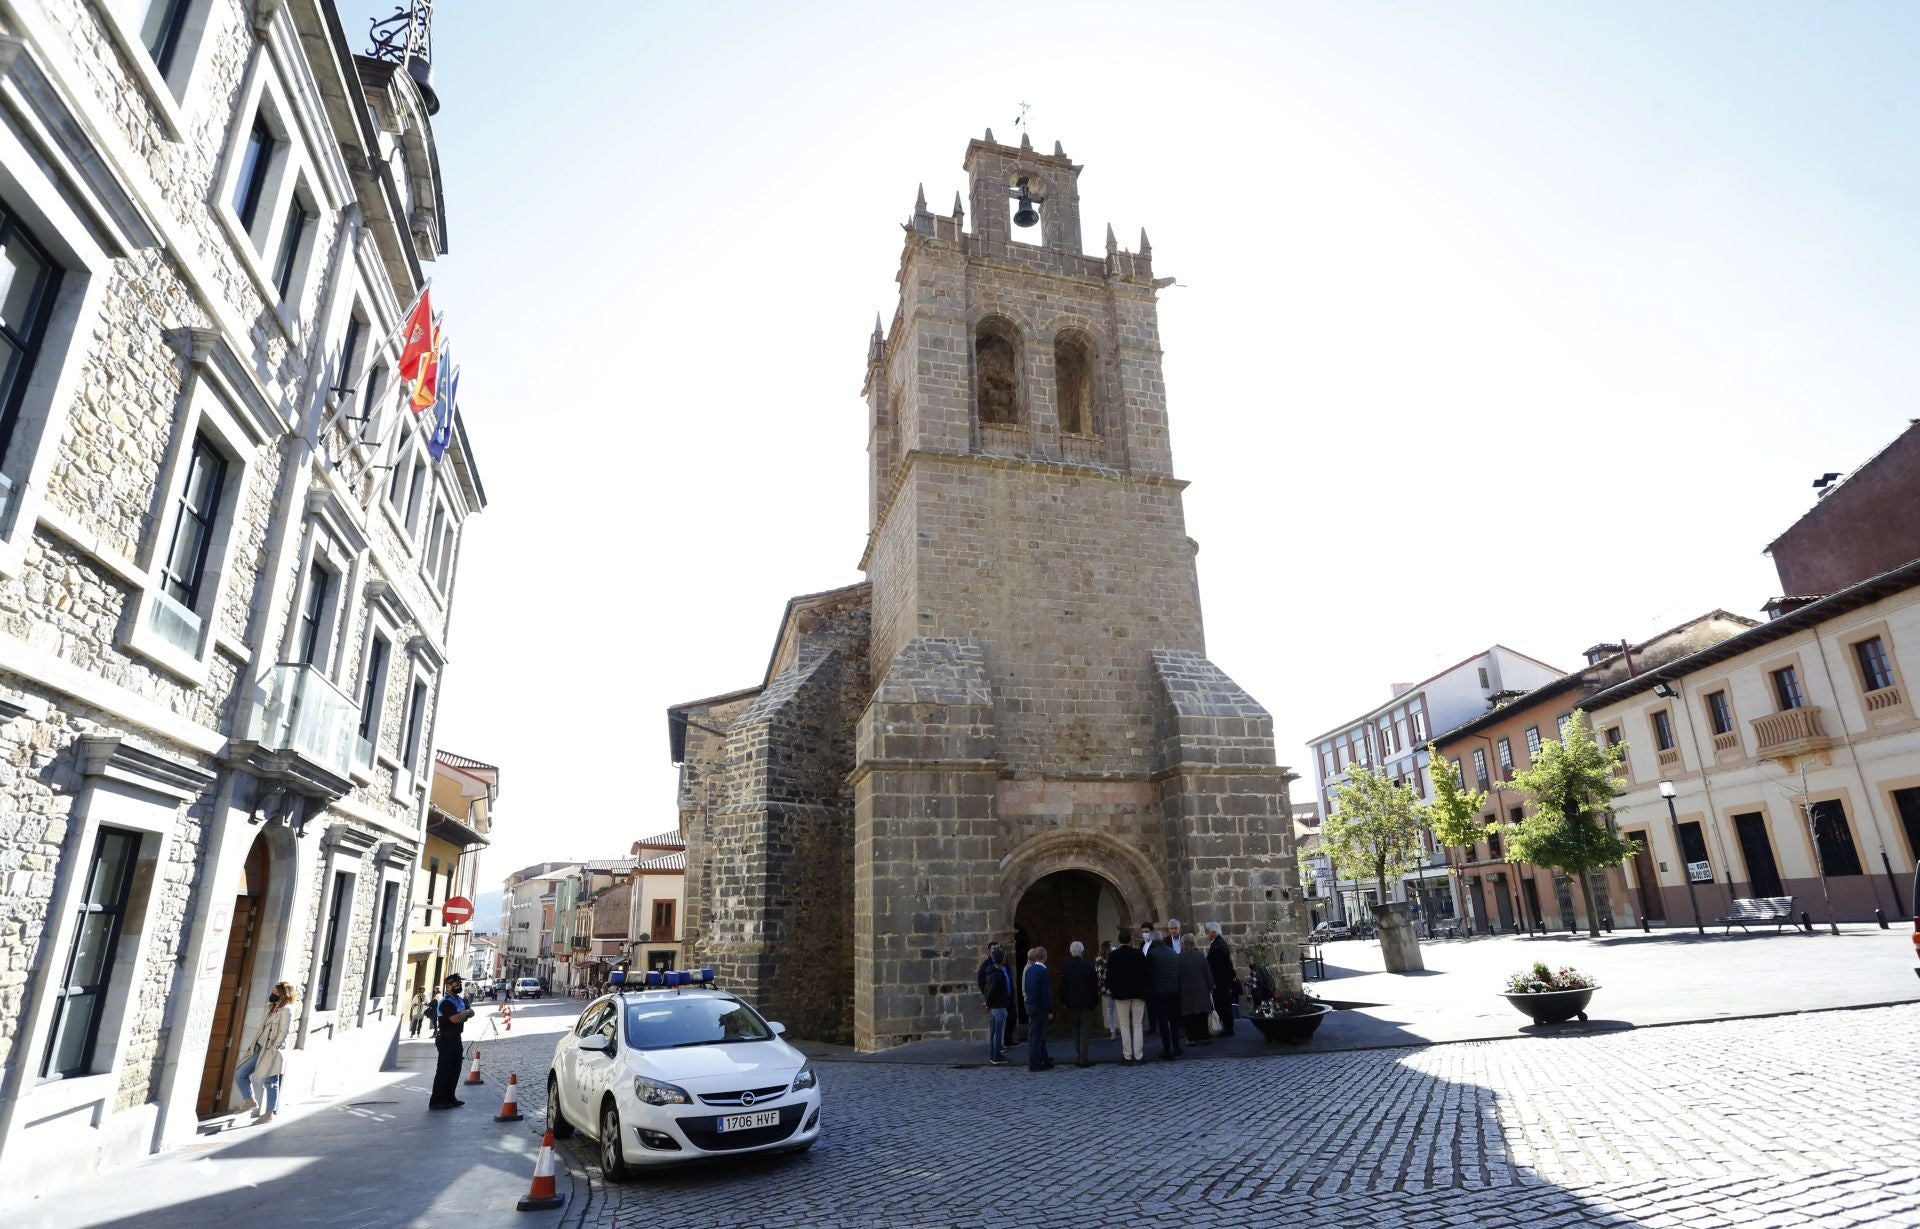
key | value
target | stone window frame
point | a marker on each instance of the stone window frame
(1008, 329)
(44, 209)
(206, 411)
(1885, 791)
(376, 626)
(114, 800)
(1770, 689)
(294, 173)
(393, 868)
(175, 91)
(1078, 334)
(345, 851)
(324, 549)
(411, 466)
(408, 780)
(1849, 641)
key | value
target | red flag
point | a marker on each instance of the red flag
(416, 335)
(426, 384)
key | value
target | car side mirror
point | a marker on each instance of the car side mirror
(779, 1030)
(596, 1043)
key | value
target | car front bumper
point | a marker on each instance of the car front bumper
(672, 1135)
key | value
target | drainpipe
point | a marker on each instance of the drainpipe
(1706, 785)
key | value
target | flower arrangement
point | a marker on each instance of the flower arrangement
(1288, 1003)
(1541, 980)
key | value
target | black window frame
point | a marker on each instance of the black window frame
(188, 586)
(65, 993)
(16, 376)
(410, 739)
(1876, 667)
(1719, 712)
(256, 162)
(1906, 804)
(1787, 692)
(370, 687)
(326, 991)
(1662, 721)
(383, 935)
(1480, 768)
(313, 614)
(292, 236)
(165, 41)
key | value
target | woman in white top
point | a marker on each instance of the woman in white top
(264, 1059)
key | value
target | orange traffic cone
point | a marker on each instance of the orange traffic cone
(507, 1011)
(541, 1196)
(473, 1069)
(510, 1108)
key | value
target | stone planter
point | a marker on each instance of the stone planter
(1290, 1029)
(1554, 1006)
(1399, 944)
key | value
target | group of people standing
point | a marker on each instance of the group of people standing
(1156, 981)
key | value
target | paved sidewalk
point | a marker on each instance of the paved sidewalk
(1667, 977)
(376, 1158)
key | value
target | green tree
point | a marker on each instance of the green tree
(1571, 784)
(1454, 814)
(1375, 827)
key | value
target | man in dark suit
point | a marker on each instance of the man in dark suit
(1039, 988)
(1128, 984)
(1226, 983)
(1080, 993)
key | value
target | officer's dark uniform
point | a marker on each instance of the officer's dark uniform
(446, 1071)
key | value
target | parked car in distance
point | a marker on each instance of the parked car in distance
(528, 988)
(1330, 930)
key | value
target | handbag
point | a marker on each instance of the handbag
(1214, 1027)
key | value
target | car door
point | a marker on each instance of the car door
(600, 1067)
(580, 1067)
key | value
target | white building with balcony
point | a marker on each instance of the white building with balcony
(227, 560)
(1393, 736)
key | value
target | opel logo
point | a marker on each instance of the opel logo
(746, 1098)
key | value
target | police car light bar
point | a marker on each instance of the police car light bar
(618, 977)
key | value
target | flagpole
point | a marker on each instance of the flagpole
(328, 424)
(380, 446)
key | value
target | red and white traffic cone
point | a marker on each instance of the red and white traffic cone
(510, 1108)
(473, 1068)
(506, 1010)
(542, 1195)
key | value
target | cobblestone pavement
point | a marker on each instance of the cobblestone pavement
(1795, 1120)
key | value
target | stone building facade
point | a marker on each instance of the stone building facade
(1011, 729)
(220, 654)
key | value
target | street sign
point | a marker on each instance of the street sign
(1700, 872)
(458, 910)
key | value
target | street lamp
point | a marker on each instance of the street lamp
(1667, 791)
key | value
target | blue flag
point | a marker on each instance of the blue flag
(443, 408)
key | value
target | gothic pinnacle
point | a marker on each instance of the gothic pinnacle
(959, 212)
(878, 333)
(1025, 143)
(920, 200)
(1113, 245)
(990, 139)
(1057, 151)
(1146, 248)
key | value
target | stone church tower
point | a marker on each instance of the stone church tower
(1012, 730)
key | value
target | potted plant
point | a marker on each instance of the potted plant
(1289, 1016)
(1549, 996)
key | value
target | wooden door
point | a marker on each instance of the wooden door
(225, 1044)
(1651, 906)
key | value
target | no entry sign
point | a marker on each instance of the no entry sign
(458, 910)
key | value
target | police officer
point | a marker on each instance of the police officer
(452, 1013)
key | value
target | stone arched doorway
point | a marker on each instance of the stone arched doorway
(1063, 907)
(1067, 885)
(249, 930)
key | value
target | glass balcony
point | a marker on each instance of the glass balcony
(306, 714)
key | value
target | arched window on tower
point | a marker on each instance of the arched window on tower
(1073, 383)
(996, 367)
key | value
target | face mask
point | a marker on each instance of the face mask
(273, 998)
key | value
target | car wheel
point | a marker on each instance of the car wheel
(613, 1160)
(556, 1121)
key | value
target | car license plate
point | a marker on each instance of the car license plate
(747, 1122)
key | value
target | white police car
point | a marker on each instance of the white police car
(678, 1070)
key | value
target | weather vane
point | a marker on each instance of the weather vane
(1021, 119)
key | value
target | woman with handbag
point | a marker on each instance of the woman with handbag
(265, 1059)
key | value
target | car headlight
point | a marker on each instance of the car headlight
(653, 1092)
(805, 1080)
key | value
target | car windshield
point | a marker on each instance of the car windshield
(669, 1023)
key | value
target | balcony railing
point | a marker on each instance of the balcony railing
(1669, 758)
(306, 714)
(1723, 743)
(1884, 699)
(1791, 732)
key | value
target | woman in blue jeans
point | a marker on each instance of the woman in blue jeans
(264, 1058)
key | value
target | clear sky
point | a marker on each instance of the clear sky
(1497, 322)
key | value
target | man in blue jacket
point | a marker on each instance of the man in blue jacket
(1039, 988)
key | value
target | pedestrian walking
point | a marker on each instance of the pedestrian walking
(1163, 976)
(1226, 982)
(266, 1058)
(1106, 999)
(996, 989)
(1127, 989)
(433, 1013)
(1196, 993)
(451, 1016)
(416, 1012)
(1039, 992)
(1080, 994)
(987, 962)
